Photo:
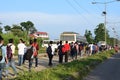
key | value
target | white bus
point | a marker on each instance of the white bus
(46, 42)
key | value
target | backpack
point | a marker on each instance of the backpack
(9, 52)
(29, 53)
(1, 56)
(49, 50)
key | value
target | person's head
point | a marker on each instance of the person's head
(35, 40)
(61, 42)
(21, 41)
(10, 40)
(30, 42)
(1, 41)
(66, 42)
(51, 42)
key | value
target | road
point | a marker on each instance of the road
(108, 70)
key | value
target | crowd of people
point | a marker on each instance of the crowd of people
(30, 52)
(73, 50)
(7, 55)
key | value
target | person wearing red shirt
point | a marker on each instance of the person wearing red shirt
(67, 50)
(35, 53)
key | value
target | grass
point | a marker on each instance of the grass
(74, 70)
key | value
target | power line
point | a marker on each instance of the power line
(73, 6)
(85, 19)
(84, 8)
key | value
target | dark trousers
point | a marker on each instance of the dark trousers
(60, 58)
(30, 63)
(50, 56)
(36, 61)
(66, 56)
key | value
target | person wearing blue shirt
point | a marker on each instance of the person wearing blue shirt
(4, 59)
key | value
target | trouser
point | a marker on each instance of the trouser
(60, 58)
(20, 60)
(30, 63)
(2, 65)
(75, 55)
(50, 56)
(36, 61)
(66, 56)
(11, 63)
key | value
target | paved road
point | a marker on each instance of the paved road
(108, 70)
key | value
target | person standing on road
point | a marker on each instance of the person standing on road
(67, 50)
(60, 52)
(11, 62)
(21, 47)
(4, 59)
(29, 54)
(35, 53)
(50, 53)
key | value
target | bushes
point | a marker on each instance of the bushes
(74, 70)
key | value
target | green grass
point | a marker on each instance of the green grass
(74, 70)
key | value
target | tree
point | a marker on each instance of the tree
(88, 36)
(7, 28)
(1, 28)
(17, 30)
(28, 26)
(100, 33)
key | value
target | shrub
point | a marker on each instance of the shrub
(74, 70)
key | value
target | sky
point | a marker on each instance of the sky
(57, 16)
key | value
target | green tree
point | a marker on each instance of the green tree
(17, 30)
(100, 33)
(28, 26)
(88, 36)
(1, 28)
(7, 28)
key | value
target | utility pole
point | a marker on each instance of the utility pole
(105, 14)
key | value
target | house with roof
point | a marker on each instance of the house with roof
(43, 35)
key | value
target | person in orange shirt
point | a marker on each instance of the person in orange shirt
(67, 50)
(35, 53)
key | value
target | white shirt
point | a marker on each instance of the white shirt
(21, 48)
(53, 49)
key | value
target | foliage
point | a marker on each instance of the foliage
(8, 36)
(100, 33)
(74, 70)
(1, 28)
(7, 28)
(28, 26)
(88, 36)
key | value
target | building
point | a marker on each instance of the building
(72, 37)
(43, 35)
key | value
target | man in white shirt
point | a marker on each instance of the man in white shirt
(21, 47)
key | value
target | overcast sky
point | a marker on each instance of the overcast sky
(57, 16)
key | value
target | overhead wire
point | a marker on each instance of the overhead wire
(76, 2)
(85, 9)
(84, 17)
